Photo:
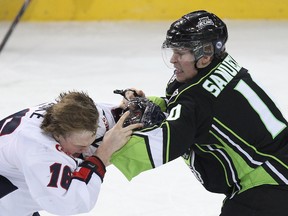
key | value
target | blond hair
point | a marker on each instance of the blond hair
(73, 111)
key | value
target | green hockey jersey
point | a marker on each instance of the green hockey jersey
(227, 129)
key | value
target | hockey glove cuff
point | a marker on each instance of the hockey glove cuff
(95, 165)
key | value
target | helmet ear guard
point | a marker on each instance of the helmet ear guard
(206, 49)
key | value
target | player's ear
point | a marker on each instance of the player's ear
(204, 61)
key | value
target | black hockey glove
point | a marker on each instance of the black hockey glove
(143, 111)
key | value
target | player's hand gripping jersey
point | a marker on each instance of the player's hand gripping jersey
(227, 129)
(38, 174)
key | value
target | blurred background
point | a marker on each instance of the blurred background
(85, 10)
(101, 45)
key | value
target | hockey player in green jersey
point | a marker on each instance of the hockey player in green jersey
(224, 125)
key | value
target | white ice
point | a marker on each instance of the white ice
(41, 60)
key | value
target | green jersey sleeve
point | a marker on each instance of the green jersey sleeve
(133, 158)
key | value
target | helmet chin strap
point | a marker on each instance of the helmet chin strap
(195, 65)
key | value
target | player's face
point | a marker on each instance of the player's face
(184, 63)
(76, 142)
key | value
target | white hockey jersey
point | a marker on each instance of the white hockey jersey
(36, 175)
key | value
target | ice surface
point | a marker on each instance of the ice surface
(42, 59)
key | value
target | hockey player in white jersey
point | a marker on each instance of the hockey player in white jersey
(39, 155)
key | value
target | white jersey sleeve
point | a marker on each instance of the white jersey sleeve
(38, 174)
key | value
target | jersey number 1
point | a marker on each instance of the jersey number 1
(272, 124)
(65, 180)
